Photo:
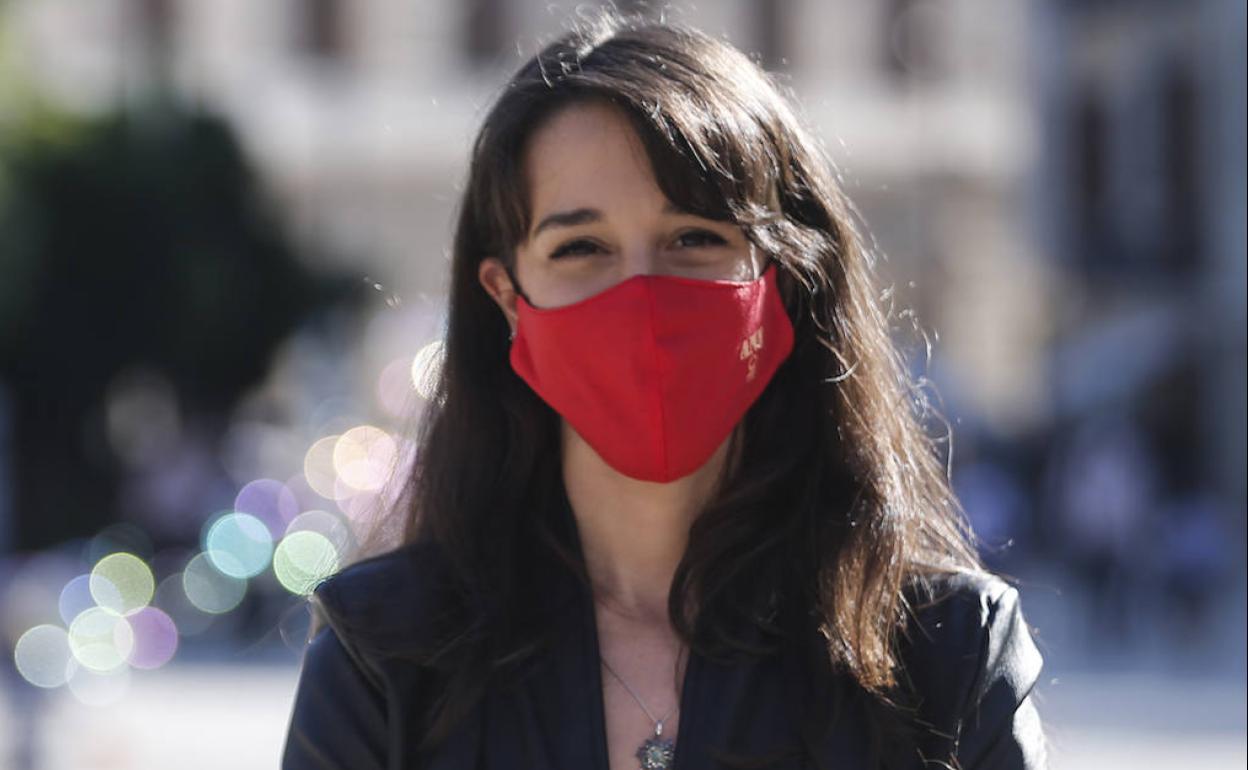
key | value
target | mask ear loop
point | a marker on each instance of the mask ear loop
(515, 284)
(768, 261)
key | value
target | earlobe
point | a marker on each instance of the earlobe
(497, 283)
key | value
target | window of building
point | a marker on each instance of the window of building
(771, 19)
(1180, 164)
(1089, 178)
(909, 39)
(484, 31)
(323, 26)
(157, 20)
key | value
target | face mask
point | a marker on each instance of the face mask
(655, 371)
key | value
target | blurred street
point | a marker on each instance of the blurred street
(235, 717)
(1145, 709)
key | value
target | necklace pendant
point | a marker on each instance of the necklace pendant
(656, 754)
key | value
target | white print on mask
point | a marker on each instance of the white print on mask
(750, 347)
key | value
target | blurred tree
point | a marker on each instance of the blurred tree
(138, 238)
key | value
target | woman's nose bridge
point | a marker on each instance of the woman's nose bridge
(641, 257)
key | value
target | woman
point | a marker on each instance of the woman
(673, 506)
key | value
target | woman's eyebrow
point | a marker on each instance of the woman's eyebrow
(582, 216)
(567, 219)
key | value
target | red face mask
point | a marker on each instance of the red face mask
(655, 371)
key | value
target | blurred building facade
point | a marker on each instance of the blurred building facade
(1143, 107)
(362, 112)
(1053, 184)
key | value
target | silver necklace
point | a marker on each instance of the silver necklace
(656, 752)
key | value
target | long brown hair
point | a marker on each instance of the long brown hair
(840, 499)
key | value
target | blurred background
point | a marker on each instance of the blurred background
(224, 233)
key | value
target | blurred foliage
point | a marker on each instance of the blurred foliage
(138, 237)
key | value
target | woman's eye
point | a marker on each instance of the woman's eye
(574, 248)
(689, 240)
(695, 238)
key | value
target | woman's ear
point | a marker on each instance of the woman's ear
(497, 283)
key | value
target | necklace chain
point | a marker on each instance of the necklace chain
(658, 723)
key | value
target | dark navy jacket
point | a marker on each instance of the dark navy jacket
(970, 658)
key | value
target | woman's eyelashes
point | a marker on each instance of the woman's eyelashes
(574, 248)
(701, 238)
(690, 239)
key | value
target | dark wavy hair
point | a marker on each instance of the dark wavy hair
(836, 496)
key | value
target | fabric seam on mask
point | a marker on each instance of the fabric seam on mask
(659, 374)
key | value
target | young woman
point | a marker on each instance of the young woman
(673, 505)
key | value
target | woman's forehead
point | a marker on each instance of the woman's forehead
(588, 156)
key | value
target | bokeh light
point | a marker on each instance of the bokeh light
(155, 638)
(98, 688)
(395, 387)
(318, 466)
(239, 545)
(270, 501)
(364, 457)
(210, 589)
(75, 597)
(100, 639)
(305, 496)
(356, 504)
(333, 527)
(172, 599)
(42, 656)
(302, 560)
(427, 369)
(122, 583)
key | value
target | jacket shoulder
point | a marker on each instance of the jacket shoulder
(971, 663)
(951, 615)
(339, 715)
(364, 617)
(385, 602)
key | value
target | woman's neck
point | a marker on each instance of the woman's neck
(633, 533)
